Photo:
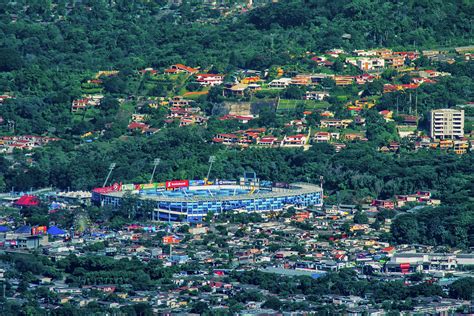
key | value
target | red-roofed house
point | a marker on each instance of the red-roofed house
(179, 68)
(268, 141)
(294, 140)
(210, 79)
(322, 137)
(226, 139)
(138, 126)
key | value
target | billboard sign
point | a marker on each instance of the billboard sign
(128, 187)
(282, 185)
(148, 186)
(226, 182)
(197, 182)
(266, 184)
(177, 184)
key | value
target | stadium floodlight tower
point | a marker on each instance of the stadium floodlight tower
(111, 168)
(156, 162)
(212, 159)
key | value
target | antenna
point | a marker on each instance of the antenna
(156, 162)
(212, 159)
(111, 168)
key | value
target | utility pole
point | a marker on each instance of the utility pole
(212, 159)
(111, 168)
(156, 162)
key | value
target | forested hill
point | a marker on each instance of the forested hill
(392, 23)
(133, 34)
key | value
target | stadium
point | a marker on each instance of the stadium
(191, 200)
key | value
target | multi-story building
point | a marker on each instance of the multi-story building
(447, 123)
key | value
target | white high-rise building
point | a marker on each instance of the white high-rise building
(447, 123)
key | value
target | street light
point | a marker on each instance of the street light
(111, 167)
(156, 162)
(212, 159)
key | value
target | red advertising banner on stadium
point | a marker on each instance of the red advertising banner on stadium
(177, 184)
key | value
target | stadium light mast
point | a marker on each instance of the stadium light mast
(212, 159)
(111, 168)
(156, 162)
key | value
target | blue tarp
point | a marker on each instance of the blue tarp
(53, 230)
(4, 229)
(23, 230)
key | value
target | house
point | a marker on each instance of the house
(250, 80)
(394, 61)
(322, 137)
(316, 95)
(410, 120)
(79, 104)
(294, 140)
(460, 146)
(236, 90)
(364, 53)
(268, 141)
(367, 64)
(280, 83)
(180, 101)
(226, 139)
(192, 120)
(210, 79)
(387, 115)
(344, 80)
(137, 117)
(301, 80)
(383, 52)
(408, 55)
(388, 204)
(134, 126)
(180, 68)
(242, 118)
(335, 123)
(150, 71)
(364, 78)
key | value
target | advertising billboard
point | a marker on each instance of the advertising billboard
(282, 185)
(39, 230)
(226, 182)
(148, 186)
(266, 184)
(128, 187)
(177, 184)
(196, 182)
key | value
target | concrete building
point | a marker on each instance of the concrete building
(447, 123)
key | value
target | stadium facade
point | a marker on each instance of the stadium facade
(190, 201)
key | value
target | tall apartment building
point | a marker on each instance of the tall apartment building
(447, 123)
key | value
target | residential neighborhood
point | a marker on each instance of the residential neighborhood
(244, 157)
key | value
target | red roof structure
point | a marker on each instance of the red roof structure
(28, 201)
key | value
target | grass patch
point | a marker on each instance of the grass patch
(290, 105)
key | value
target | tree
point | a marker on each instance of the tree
(109, 105)
(199, 308)
(462, 289)
(328, 83)
(273, 303)
(10, 59)
(293, 92)
(361, 218)
(115, 84)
